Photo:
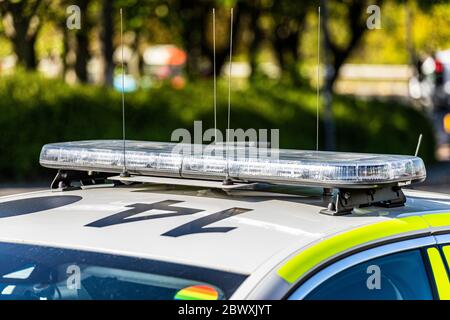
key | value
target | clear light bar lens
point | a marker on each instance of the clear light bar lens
(242, 163)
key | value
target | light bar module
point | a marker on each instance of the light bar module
(243, 163)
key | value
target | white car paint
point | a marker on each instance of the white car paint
(268, 233)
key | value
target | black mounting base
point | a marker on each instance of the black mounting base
(72, 180)
(227, 182)
(346, 200)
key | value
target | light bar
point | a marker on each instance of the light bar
(243, 163)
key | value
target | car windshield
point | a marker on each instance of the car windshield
(45, 273)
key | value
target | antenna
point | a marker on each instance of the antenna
(318, 82)
(419, 141)
(215, 79)
(124, 172)
(227, 180)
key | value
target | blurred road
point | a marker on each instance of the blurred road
(438, 180)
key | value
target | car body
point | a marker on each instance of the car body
(235, 244)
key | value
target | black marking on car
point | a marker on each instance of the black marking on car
(192, 227)
(137, 208)
(31, 205)
(199, 225)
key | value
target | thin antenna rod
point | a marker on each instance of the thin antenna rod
(418, 145)
(215, 79)
(124, 173)
(318, 82)
(227, 178)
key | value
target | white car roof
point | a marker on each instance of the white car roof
(270, 229)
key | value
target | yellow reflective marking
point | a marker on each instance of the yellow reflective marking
(440, 274)
(304, 261)
(437, 219)
(446, 250)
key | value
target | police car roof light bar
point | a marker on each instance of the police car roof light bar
(246, 164)
(362, 179)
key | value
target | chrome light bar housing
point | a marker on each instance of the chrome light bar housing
(239, 162)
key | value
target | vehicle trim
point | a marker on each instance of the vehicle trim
(302, 263)
(360, 257)
(443, 239)
(440, 273)
(307, 260)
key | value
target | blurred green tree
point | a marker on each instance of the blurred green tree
(23, 29)
(82, 42)
(137, 14)
(107, 34)
(352, 20)
(290, 20)
(352, 17)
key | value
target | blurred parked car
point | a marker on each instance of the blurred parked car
(432, 88)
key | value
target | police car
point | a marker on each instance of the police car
(140, 221)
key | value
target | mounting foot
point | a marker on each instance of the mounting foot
(124, 174)
(227, 182)
(66, 180)
(347, 199)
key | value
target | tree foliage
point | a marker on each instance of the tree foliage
(280, 29)
(23, 28)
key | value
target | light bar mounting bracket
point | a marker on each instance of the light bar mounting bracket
(345, 200)
(67, 180)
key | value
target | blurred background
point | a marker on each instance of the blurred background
(384, 75)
